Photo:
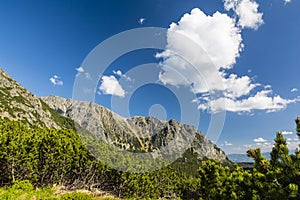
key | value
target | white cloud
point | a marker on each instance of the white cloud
(55, 80)
(260, 140)
(260, 101)
(87, 75)
(264, 146)
(247, 12)
(80, 69)
(120, 74)
(292, 145)
(227, 143)
(293, 139)
(221, 41)
(294, 90)
(142, 20)
(216, 34)
(110, 85)
(236, 87)
(287, 1)
(267, 87)
(286, 132)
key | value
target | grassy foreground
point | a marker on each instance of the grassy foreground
(24, 190)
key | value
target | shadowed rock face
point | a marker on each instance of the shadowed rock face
(17, 103)
(145, 134)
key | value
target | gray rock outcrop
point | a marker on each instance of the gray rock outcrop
(146, 134)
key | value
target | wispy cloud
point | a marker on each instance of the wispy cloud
(286, 132)
(260, 140)
(110, 85)
(227, 143)
(120, 74)
(80, 71)
(293, 139)
(56, 80)
(264, 147)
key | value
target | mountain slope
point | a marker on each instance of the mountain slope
(139, 134)
(18, 104)
(136, 134)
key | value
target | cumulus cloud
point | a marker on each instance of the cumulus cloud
(294, 90)
(235, 87)
(56, 80)
(216, 34)
(260, 140)
(142, 20)
(286, 132)
(110, 85)
(246, 11)
(220, 42)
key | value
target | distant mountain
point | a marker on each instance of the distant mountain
(18, 104)
(146, 134)
(137, 134)
(245, 158)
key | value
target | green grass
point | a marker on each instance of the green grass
(23, 190)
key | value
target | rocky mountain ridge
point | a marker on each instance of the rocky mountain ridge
(18, 104)
(138, 133)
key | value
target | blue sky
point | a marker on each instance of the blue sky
(254, 46)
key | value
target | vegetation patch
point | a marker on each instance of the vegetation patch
(34, 157)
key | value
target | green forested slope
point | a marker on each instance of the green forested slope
(49, 156)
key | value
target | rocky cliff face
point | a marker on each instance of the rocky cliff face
(17, 103)
(145, 134)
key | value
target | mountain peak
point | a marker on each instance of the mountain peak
(3, 73)
(18, 104)
(138, 133)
